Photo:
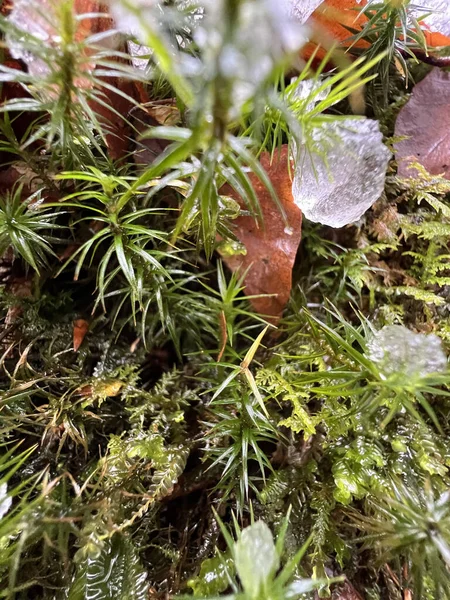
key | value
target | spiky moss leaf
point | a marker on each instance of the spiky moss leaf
(276, 488)
(418, 294)
(111, 574)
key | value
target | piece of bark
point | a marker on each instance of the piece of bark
(425, 121)
(271, 246)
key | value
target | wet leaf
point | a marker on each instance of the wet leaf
(80, 328)
(272, 246)
(425, 120)
(213, 578)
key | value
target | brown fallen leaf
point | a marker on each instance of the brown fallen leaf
(345, 591)
(80, 329)
(114, 108)
(271, 247)
(425, 119)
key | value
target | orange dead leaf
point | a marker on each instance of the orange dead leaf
(271, 247)
(333, 18)
(336, 15)
(80, 329)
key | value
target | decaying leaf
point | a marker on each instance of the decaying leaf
(80, 329)
(271, 247)
(425, 120)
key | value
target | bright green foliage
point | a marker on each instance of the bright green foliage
(413, 523)
(107, 569)
(213, 577)
(391, 28)
(263, 578)
(26, 228)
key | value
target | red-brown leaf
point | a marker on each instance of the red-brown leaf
(425, 119)
(80, 329)
(271, 248)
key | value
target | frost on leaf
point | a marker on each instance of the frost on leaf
(5, 500)
(256, 557)
(397, 350)
(345, 174)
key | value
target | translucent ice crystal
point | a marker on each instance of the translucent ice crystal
(40, 19)
(255, 542)
(303, 9)
(5, 500)
(396, 349)
(337, 182)
(308, 89)
(438, 20)
(36, 18)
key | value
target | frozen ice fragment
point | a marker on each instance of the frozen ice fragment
(439, 17)
(256, 557)
(308, 89)
(396, 349)
(36, 18)
(337, 183)
(139, 55)
(41, 20)
(5, 500)
(303, 9)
